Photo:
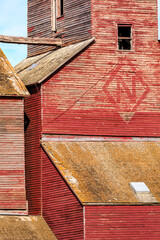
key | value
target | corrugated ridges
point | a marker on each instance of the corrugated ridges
(93, 94)
(61, 209)
(122, 222)
(12, 163)
(101, 172)
(32, 151)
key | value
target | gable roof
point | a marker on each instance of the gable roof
(36, 69)
(24, 228)
(10, 83)
(101, 172)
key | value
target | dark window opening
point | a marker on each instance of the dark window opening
(124, 37)
(26, 121)
(59, 8)
(62, 8)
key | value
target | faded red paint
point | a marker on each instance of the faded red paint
(31, 29)
(32, 151)
(122, 222)
(61, 209)
(102, 91)
(105, 91)
(12, 162)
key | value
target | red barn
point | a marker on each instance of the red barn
(101, 91)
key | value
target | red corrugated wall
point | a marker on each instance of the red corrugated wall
(104, 91)
(61, 209)
(122, 222)
(12, 163)
(32, 150)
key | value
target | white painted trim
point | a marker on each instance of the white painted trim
(53, 15)
(158, 1)
(74, 138)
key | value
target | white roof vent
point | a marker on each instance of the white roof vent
(139, 187)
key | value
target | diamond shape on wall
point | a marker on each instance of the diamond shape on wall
(126, 89)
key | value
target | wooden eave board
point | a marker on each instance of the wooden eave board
(10, 83)
(24, 228)
(101, 172)
(36, 69)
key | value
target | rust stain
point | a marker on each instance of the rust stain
(10, 83)
(24, 228)
(100, 172)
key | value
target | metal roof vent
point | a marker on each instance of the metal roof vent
(139, 187)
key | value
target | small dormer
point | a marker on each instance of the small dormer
(58, 18)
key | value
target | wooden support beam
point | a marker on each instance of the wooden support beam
(31, 40)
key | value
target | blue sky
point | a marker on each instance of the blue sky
(13, 21)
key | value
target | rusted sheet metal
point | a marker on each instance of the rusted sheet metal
(61, 209)
(24, 228)
(74, 25)
(101, 172)
(122, 222)
(12, 163)
(32, 150)
(10, 83)
(37, 69)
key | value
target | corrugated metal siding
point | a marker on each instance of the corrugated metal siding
(122, 222)
(78, 162)
(104, 91)
(12, 169)
(61, 209)
(32, 150)
(74, 25)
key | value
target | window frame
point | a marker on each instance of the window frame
(130, 38)
(59, 8)
(57, 11)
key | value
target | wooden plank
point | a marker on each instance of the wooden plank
(12, 162)
(74, 25)
(30, 40)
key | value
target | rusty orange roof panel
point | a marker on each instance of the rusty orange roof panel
(101, 172)
(24, 228)
(10, 83)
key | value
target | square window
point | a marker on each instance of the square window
(124, 37)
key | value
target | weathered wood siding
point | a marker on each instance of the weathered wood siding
(61, 209)
(12, 164)
(105, 91)
(32, 150)
(122, 222)
(74, 25)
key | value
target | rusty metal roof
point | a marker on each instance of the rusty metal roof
(36, 69)
(101, 172)
(10, 83)
(24, 228)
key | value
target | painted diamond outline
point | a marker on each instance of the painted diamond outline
(126, 116)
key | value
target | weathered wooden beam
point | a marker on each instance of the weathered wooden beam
(31, 40)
